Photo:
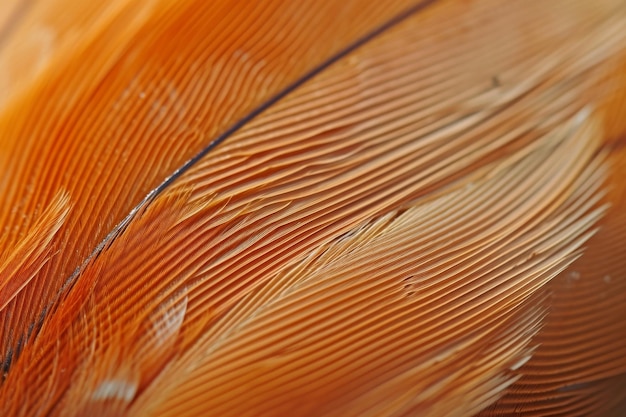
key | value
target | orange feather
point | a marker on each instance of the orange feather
(313, 208)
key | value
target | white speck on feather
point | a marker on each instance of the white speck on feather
(582, 115)
(521, 362)
(607, 279)
(241, 55)
(170, 321)
(111, 389)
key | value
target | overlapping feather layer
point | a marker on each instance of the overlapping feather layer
(432, 225)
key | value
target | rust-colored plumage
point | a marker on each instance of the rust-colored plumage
(313, 208)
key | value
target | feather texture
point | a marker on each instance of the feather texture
(313, 208)
(115, 107)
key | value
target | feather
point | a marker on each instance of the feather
(115, 108)
(312, 208)
(578, 367)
